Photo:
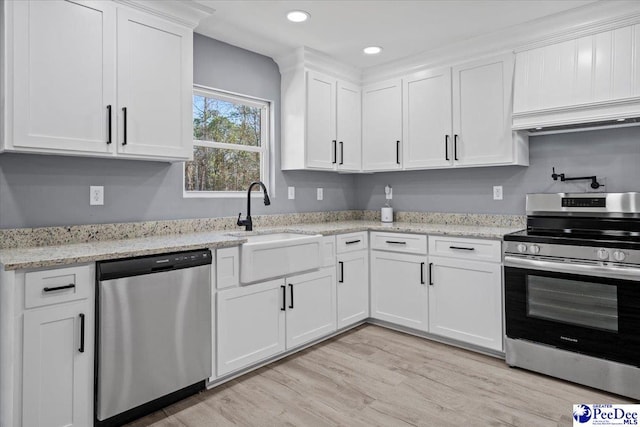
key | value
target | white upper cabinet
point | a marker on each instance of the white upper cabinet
(427, 119)
(155, 83)
(482, 133)
(589, 79)
(321, 122)
(63, 73)
(72, 68)
(349, 127)
(382, 126)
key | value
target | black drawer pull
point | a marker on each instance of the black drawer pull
(395, 242)
(284, 297)
(446, 147)
(431, 274)
(124, 114)
(81, 349)
(335, 152)
(109, 130)
(422, 273)
(351, 242)
(341, 272)
(59, 288)
(341, 153)
(291, 288)
(462, 248)
(397, 152)
(455, 147)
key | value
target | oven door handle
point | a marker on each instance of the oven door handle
(613, 272)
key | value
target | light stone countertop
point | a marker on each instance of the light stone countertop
(48, 256)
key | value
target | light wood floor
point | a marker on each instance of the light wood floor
(372, 376)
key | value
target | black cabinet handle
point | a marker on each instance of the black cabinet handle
(81, 349)
(351, 242)
(59, 288)
(430, 274)
(284, 297)
(124, 137)
(334, 159)
(109, 125)
(291, 288)
(462, 248)
(397, 152)
(455, 147)
(422, 273)
(341, 264)
(394, 242)
(341, 153)
(446, 147)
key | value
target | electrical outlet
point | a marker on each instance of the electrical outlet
(497, 192)
(96, 195)
(292, 193)
(388, 192)
(320, 193)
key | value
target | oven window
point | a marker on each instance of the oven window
(593, 305)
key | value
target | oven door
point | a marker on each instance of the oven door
(587, 308)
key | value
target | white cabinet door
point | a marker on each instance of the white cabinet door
(398, 289)
(382, 126)
(482, 113)
(154, 87)
(63, 75)
(465, 301)
(349, 126)
(311, 306)
(321, 121)
(427, 119)
(251, 324)
(58, 366)
(353, 287)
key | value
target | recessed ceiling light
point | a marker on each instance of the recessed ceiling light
(621, 120)
(538, 128)
(372, 50)
(297, 16)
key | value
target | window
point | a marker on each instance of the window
(231, 136)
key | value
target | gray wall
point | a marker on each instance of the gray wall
(40, 190)
(613, 154)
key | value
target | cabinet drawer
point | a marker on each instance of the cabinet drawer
(351, 242)
(454, 247)
(397, 242)
(46, 287)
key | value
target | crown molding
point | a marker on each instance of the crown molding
(590, 19)
(317, 61)
(184, 12)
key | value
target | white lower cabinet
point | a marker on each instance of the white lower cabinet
(57, 336)
(311, 306)
(259, 321)
(353, 287)
(398, 289)
(465, 301)
(251, 324)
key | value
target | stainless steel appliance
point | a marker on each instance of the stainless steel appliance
(153, 333)
(572, 290)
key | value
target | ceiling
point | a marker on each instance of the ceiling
(343, 28)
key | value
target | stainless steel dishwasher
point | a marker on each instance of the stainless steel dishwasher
(153, 333)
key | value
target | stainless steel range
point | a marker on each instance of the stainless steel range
(572, 290)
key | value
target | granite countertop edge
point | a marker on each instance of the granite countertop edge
(52, 256)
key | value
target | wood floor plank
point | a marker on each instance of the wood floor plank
(373, 376)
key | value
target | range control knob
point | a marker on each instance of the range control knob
(534, 249)
(619, 256)
(603, 254)
(522, 248)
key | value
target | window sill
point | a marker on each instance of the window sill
(219, 194)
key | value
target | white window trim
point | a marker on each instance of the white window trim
(267, 173)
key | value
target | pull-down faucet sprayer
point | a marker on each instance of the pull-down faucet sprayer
(248, 223)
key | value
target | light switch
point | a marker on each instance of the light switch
(292, 193)
(320, 193)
